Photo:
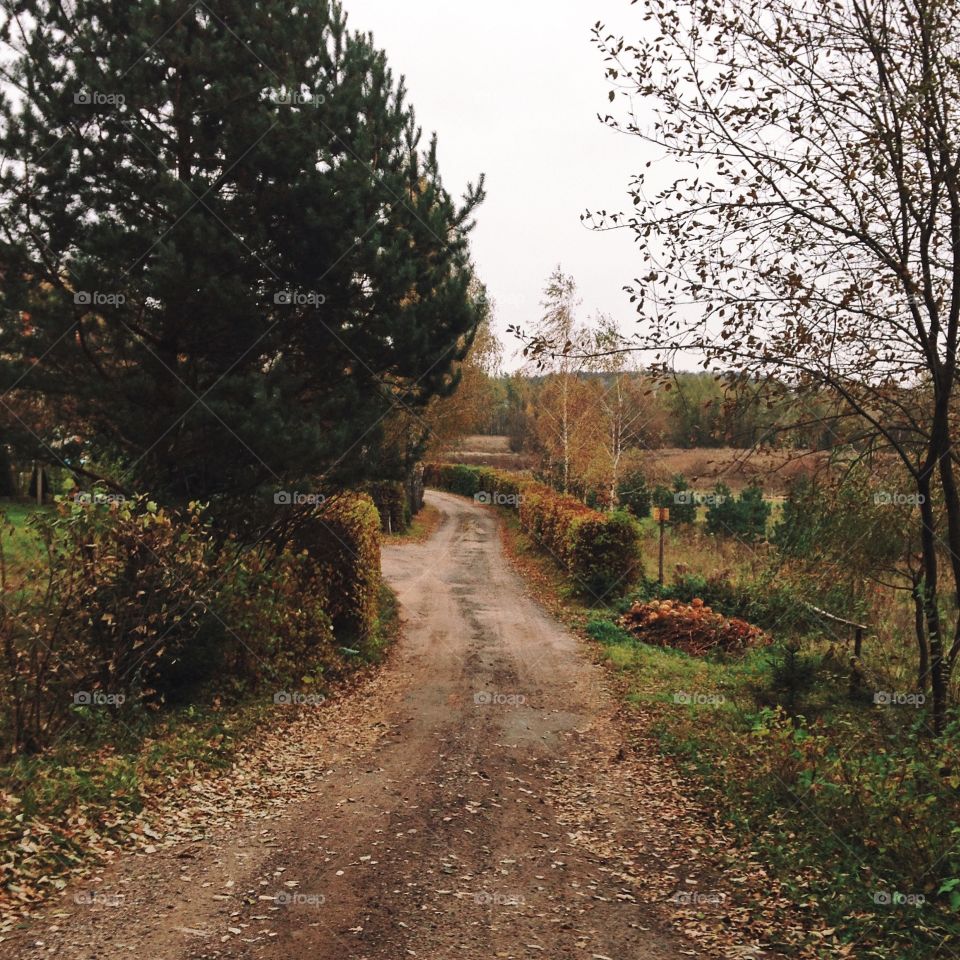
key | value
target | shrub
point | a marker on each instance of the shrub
(343, 538)
(744, 517)
(455, 477)
(835, 523)
(754, 512)
(604, 554)
(119, 598)
(132, 603)
(799, 529)
(793, 676)
(662, 497)
(683, 506)
(501, 487)
(269, 620)
(634, 495)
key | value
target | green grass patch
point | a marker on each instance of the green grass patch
(20, 543)
(852, 808)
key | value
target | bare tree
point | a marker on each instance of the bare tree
(619, 398)
(808, 227)
(558, 324)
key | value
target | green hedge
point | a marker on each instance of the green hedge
(343, 539)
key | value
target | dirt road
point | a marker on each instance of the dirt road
(452, 807)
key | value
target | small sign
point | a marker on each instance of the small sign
(661, 514)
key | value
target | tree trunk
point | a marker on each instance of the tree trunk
(937, 667)
(923, 670)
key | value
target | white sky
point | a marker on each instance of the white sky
(513, 90)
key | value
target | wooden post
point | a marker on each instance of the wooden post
(38, 466)
(662, 515)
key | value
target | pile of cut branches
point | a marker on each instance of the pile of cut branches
(692, 627)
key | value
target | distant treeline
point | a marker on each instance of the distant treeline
(689, 410)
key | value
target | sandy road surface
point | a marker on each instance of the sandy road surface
(431, 828)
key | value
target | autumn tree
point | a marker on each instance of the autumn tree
(807, 227)
(558, 324)
(623, 408)
(470, 407)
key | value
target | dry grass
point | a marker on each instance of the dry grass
(737, 468)
(420, 530)
(488, 451)
(481, 443)
(889, 650)
(703, 467)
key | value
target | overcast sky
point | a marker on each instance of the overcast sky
(513, 90)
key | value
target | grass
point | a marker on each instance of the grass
(420, 530)
(889, 655)
(19, 542)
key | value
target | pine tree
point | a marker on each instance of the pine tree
(227, 253)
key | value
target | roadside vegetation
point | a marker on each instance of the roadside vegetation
(139, 655)
(826, 765)
(219, 278)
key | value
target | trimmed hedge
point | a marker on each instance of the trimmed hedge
(600, 551)
(470, 481)
(343, 539)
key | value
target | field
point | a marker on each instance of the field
(19, 544)
(489, 451)
(737, 468)
(703, 467)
